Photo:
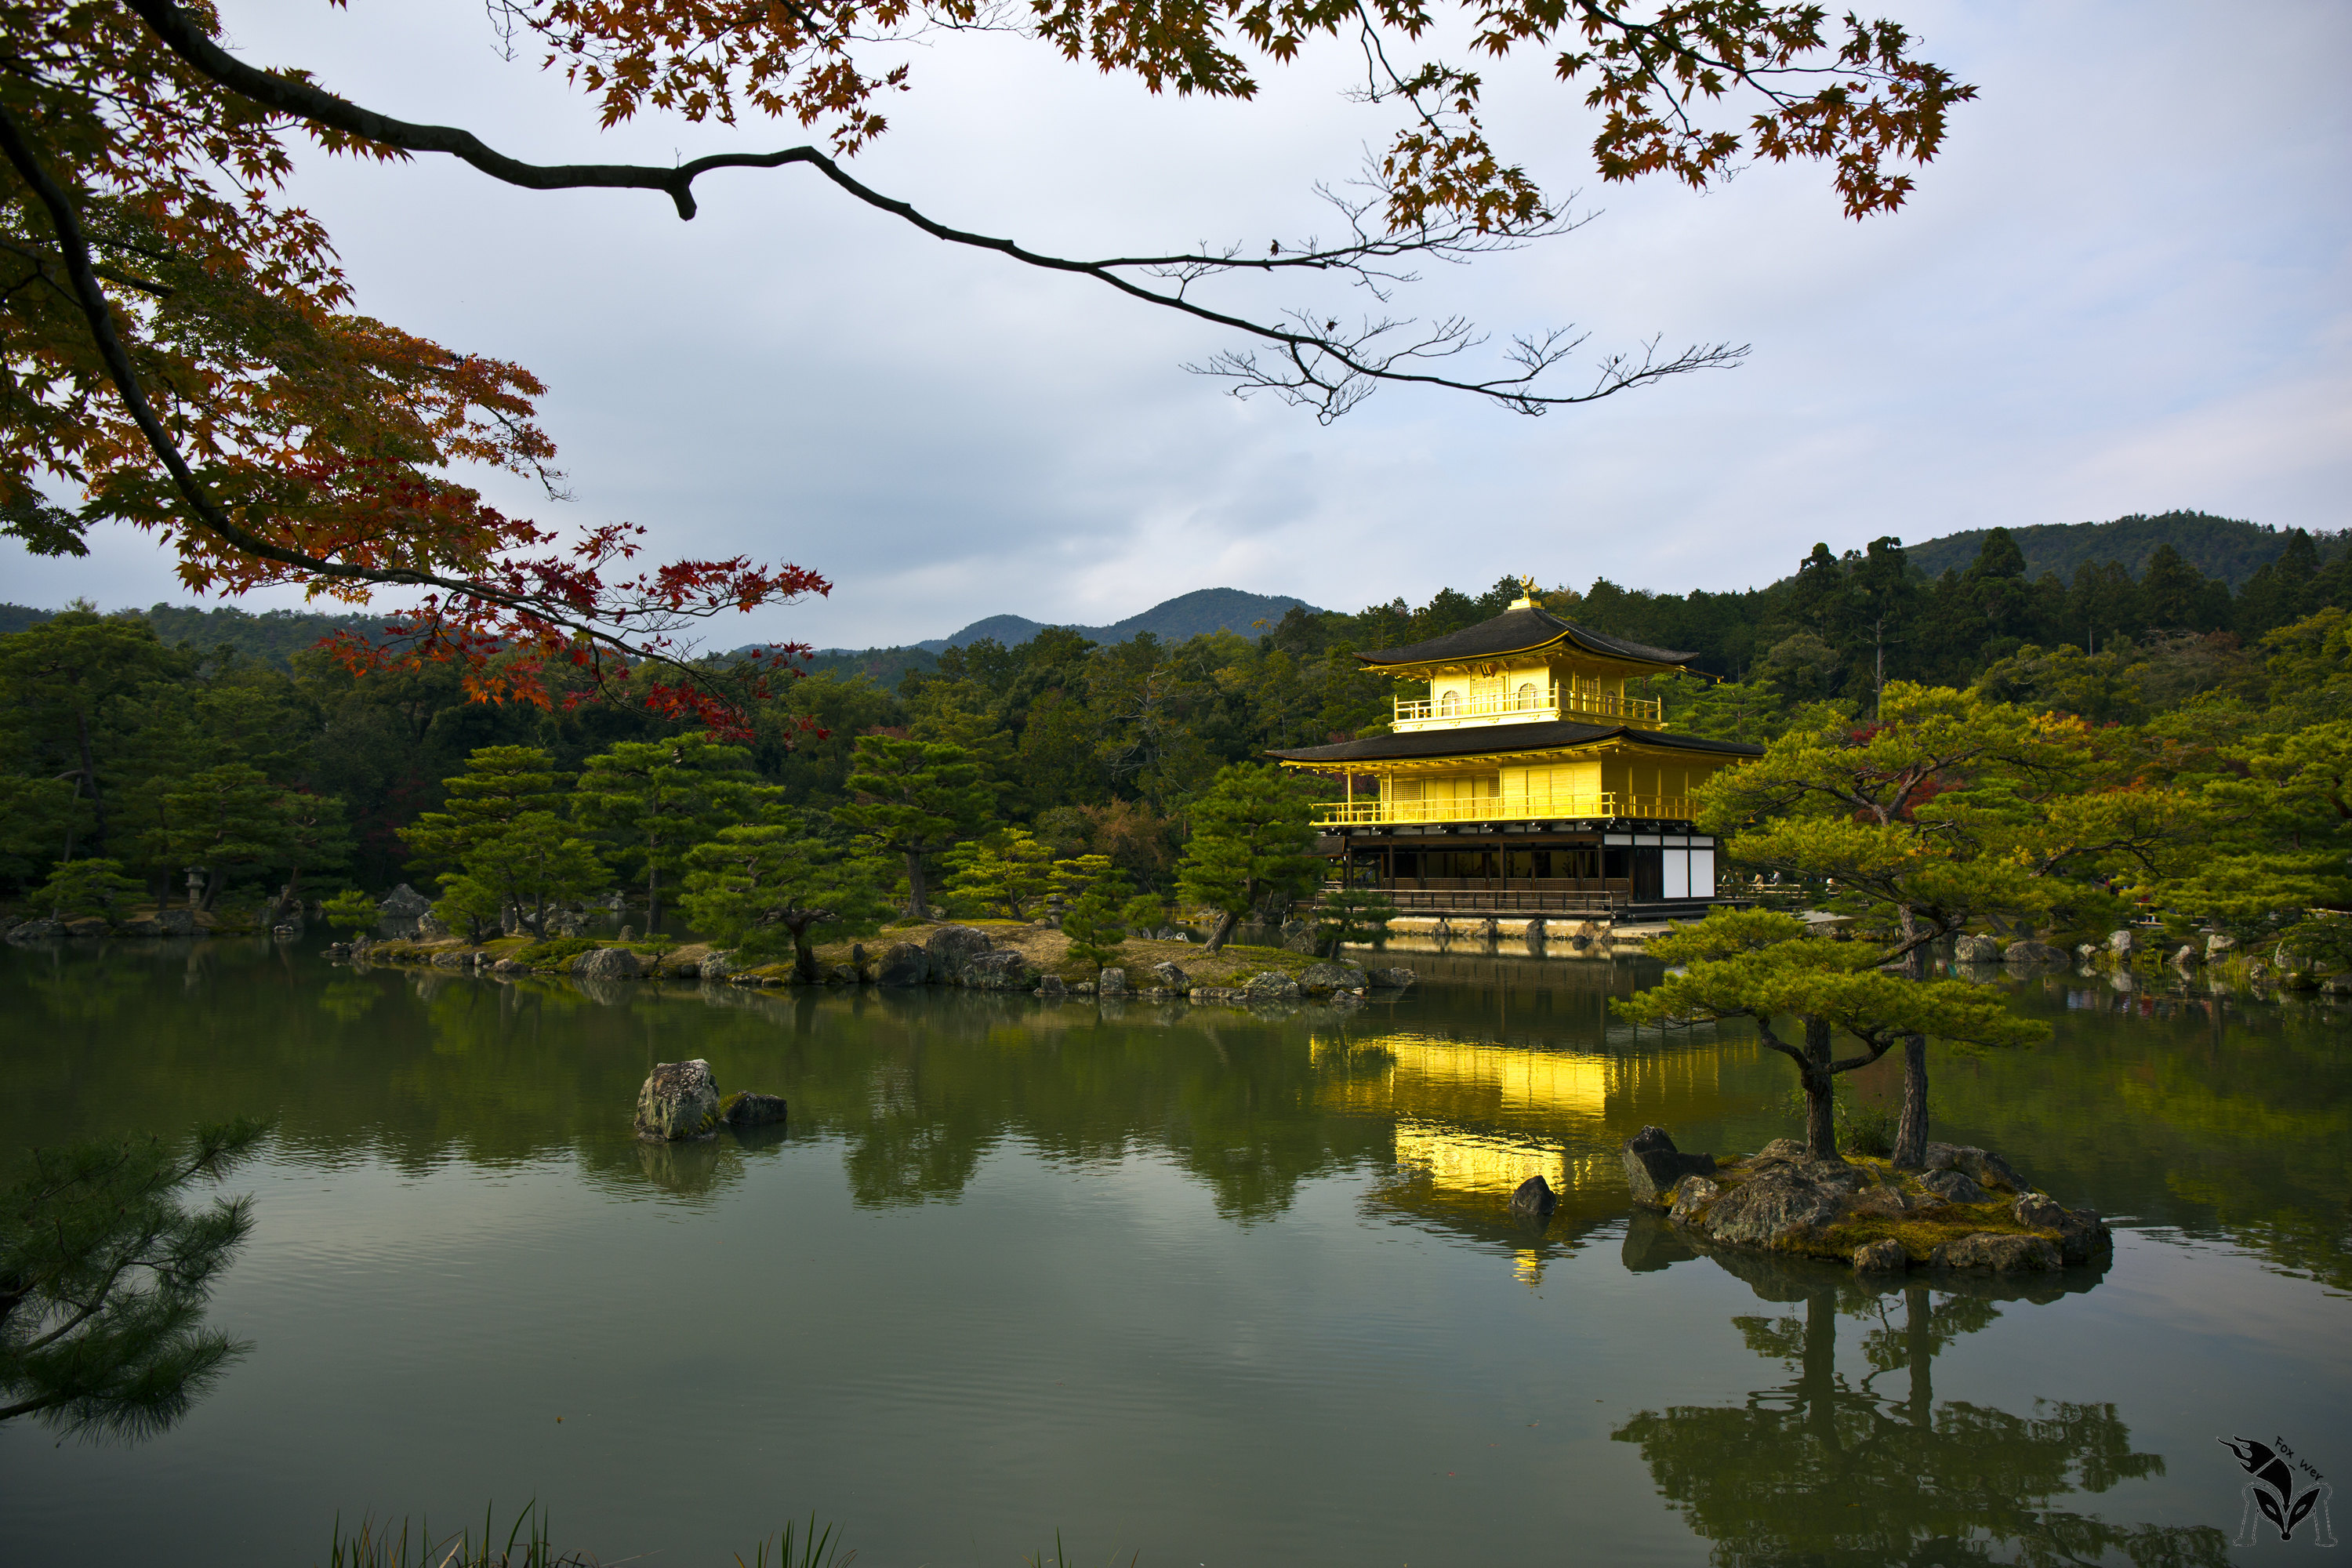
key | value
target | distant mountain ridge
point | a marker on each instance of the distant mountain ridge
(2224, 547)
(1196, 614)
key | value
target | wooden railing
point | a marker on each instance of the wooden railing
(1527, 806)
(1533, 706)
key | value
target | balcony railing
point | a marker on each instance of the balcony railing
(1540, 806)
(1412, 713)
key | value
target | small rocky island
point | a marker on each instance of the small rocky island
(1965, 1208)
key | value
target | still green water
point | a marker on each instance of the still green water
(1211, 1287)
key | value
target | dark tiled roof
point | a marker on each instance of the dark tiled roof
(1514, 631)
(1477, 739)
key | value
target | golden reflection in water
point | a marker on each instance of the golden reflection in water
(1474, 1119)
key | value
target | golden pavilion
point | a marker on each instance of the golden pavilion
(1518, 777)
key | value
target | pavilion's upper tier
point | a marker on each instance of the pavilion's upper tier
(1525, 632)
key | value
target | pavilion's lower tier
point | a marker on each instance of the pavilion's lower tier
(1514, 865)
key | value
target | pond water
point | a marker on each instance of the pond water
(1196, 1285)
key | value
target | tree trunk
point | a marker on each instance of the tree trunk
(803, 956)
(1223, 931)
(653, 898)
(1821, 1105)
(213, 883)
(90, 771)
(1911, 1131)
(919, 891)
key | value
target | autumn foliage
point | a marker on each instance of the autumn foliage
(182, 346)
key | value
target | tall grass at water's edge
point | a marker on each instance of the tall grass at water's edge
(528, 1545)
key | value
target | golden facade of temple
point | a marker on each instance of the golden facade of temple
(1515, 743)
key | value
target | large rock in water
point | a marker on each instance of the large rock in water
(1534, 1197)
(2033, 952)
(606, 964)
(952, 950)
(679, 1099)
(1007, 970)
(1395, 979)
(902, 963)
(1975, 949)
(1781, 1204)
(1653, 1165)
(748, 1108)
(1981, 1164)
(1170, 977)
(1111, 983)
(37, 931)
(2082, 1235)
(1272, 986)
(1322, 979)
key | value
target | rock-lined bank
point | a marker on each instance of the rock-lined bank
(1965, 1208)
(997, 957)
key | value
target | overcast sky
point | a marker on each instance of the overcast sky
(2126, 287)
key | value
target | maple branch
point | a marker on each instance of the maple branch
(73, 246)
(1323, 367)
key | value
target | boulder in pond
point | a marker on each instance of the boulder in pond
(1986, 1167)
(679, 1099)
(1170, 977)
(608, 963)
(1111, 983)
(37, 931)
(1775, 1207)
(2082, 1235)
(2033, 952)
(1884, 1256)
(1050, 987)
(1322, 979)
(1272, 986)
(2002, 1252)
(1653, 1165)
(716, 966)
(952, 950)
(1534, 1198)
(1393, 979)
(2123, 942)
(902, 963)
(1975, 949)
(748, 1107)
(1008, 970)
(1693, 1194)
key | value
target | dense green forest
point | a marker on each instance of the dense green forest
(1101, 749)
(2220, 547)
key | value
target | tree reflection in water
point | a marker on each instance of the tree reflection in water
(1827, 1471)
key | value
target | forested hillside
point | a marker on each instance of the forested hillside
(1097, 748)
(2219, 547)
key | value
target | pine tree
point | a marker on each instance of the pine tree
(761, 887)
(652, 801)
(1252, 842)
(84, 887)
(1008, 871)
(1095, 925)
(915, 798)
(1762, 966)
(529, 865)
(104, 1273)
(500, 784)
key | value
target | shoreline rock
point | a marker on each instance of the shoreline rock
(1966, 1209)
